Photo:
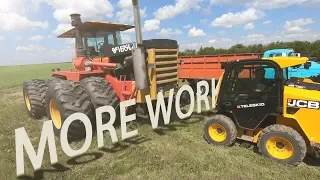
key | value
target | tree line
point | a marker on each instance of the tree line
(305, 48)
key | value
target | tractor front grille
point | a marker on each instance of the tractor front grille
(166, 69)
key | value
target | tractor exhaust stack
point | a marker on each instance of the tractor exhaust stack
(137, 20)
(138, 54)
(75, 21)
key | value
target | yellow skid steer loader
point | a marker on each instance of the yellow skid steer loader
(280, 115)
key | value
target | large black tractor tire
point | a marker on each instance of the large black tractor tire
(101, 94)
(34, 92)
(282, 144)
(220, 130)
(54, 79)
(63, 99)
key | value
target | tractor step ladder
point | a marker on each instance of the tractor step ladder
(123, 86)
(247, 138)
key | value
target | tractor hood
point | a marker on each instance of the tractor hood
(120, 50)
(304, 90)
(150, 43)
(303, 83)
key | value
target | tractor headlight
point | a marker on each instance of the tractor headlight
(88, 68)
(87, 62)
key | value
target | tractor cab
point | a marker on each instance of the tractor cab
(98, 38)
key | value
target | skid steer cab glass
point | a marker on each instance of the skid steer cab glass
(97, 42)
(270, 73)
(251, 91)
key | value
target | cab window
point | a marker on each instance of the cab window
(118, 36)
(96, 41)
(270, 73)
(111, 39)
(246, 83)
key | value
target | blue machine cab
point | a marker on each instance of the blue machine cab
(301, 71)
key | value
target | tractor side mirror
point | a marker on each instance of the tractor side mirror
(307, 65)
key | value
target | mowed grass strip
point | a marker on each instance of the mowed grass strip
(175, 151)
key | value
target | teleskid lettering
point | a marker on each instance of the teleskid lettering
(124, 48)
(297, 103)
(47, 135)
(251, 105)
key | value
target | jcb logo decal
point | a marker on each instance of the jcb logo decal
(303, 104)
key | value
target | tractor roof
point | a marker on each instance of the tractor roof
(97, 26)
(285, 62)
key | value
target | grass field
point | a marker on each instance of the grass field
(175, 151)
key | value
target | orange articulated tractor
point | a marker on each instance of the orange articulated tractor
(106, 72)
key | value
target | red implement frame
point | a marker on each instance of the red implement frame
(208, 66)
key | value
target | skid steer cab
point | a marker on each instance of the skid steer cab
(280, 115)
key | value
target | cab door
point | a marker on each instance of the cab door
(239, 96)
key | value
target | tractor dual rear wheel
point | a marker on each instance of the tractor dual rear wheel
(34, 92)
(220, 130)
(54, 79)
(282, 144)
(101, 94)
(63, 99)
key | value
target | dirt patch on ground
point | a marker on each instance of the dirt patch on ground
(11, 96)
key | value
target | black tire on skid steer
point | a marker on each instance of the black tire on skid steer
(101, 94)
(66, 98)
(220, 130)
(276, 140)
(34, 92)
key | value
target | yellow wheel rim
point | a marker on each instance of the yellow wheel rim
(27, 101)
(217, 132)
(55, 114)
(279, 148)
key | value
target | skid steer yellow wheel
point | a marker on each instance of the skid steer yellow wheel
(282, 144)
(220, 130)
(217, 132)
(279, 147)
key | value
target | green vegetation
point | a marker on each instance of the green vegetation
(306, 48)
(13, 76)
(175, 151)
